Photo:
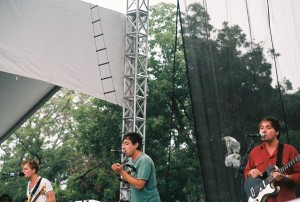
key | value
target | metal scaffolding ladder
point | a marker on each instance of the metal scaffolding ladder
(107, 84)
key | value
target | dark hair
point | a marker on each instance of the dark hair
(274, 122)
(33, 164)
(134, 138)
(3, 196)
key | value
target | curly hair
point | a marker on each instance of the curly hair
(33, 164)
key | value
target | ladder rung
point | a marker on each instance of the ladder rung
(109, 92)
(94, 6)
(103, 64)
(109, 77)
(100, 49)
(96, 21)
(98, 35)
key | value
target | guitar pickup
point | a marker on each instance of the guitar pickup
(252, 191)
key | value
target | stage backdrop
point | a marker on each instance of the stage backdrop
(234, 80)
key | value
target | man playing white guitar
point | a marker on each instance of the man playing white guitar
(264, 180)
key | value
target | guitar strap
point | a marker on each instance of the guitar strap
(279, 155)
(42, 191)
(35, 188)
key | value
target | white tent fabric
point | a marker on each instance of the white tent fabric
(53, 41)
(20, 97)
(45, 45)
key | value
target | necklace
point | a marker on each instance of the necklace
(33, 185)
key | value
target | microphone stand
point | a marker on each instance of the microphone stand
(240, 170)
(4, 176)
(242, 165)
(81, 177)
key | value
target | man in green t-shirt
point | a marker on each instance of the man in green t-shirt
(143, 181)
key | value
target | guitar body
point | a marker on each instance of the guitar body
(262, 196)
(258, 189)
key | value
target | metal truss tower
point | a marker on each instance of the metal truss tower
(135, 74)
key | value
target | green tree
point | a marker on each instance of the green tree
(169, 114)
(99, 129)
(49, 137)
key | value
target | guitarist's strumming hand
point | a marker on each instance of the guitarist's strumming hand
(255, 173)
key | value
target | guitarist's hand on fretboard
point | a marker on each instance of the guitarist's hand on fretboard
(255, 173)
(278, 176)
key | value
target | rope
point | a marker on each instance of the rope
(173, 100)
(249, 24)
(275, 64)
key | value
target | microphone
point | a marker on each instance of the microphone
(255, 135)
(13, 174)
(118, 151)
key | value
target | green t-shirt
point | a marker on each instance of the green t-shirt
(145, 170)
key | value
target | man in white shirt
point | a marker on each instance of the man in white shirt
(39, 189)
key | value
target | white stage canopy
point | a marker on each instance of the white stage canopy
(45, 45)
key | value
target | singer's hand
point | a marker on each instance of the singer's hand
(255, 173)
(117, 167)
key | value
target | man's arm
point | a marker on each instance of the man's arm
(50, 196)
(294, 175)
(137, 183)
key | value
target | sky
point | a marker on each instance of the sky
(120, 5)
(285, 22)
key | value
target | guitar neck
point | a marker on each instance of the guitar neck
(288, 165)
(284, 168)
